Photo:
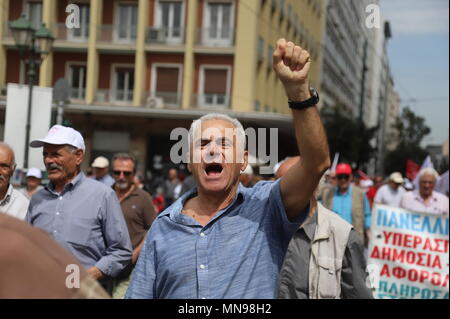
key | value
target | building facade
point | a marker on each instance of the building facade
(139, 68)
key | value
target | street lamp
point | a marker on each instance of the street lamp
(25, 37)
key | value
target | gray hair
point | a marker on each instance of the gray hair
(125, 156)
(9, 148)
(240, 133)
(429, 171)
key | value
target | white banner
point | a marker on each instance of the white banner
(16, 119)
(408, 254)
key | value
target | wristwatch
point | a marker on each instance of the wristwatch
(312, 101)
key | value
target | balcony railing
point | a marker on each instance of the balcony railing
(163, 99)
(78, 93)
(73, 35)
(105, 96)
(109, 33)
(211, 100)
(162, 35)
(215, 37)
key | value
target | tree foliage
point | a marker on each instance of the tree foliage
(349, 137)
(411, 129)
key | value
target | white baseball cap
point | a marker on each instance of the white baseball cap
(61, 135)
(396, 177)
(34, 172)
(100, 162)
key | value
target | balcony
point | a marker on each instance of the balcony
(78, 94)
(215, 37)
(116, 97)
(108, 33)
(163, 35)
(162, 99)
(63, 33)
(218, 101)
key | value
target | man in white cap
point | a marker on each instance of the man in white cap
(82, 215)
(12, 201)
(101, 167)
(391, 194)
(246, 177)
(33, 182)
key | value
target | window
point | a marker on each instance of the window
(35, 13)
(257, 106)
(260, 49)
(123, 84)
(81, 33)
(77, 81)
(166, 83)
(214, 88)
(270, 57)
(169, 20)
(126, 23)
(218, 23)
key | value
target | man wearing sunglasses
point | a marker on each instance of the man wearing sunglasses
(138, 210)
(350, 202)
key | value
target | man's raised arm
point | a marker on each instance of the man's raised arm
(292, 64)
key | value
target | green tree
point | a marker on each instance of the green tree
(348, 136)
(411, 129)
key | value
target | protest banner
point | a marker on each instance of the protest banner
(408, 252)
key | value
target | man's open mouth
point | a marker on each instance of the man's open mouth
(213, 169)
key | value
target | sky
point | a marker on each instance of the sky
(419, 58)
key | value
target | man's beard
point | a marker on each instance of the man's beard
(122, 185)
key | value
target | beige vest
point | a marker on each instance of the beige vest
(357, 206)
(327, 251)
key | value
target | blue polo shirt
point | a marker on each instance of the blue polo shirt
(342, 205)
(238, 254)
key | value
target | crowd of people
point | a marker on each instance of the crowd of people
(221, 232)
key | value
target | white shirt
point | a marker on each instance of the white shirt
(388, 196)
(14, 203)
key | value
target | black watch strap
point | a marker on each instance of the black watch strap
(312, 101)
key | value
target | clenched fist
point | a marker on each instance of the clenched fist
(292, 64)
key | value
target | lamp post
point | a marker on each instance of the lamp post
(37, 43)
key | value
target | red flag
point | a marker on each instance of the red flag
(411, 169)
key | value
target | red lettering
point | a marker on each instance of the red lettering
(399, 272)
(407, 241)
(375, 253)
(437, 242)
(417, 241)
(410, 257)
(386, 236)
(385, 271)
(413, 275)
(419, 262)
(445, 282)
(436, 262)
(427, 245)
(436, 279)
(397, 239)
(398, 256)
(386, 253)
(424, 275)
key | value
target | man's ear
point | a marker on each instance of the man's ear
(80, 156)
(245, 162)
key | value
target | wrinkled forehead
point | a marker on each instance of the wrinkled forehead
(214, 129)
(428, 178)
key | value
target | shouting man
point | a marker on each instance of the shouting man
(222, 240)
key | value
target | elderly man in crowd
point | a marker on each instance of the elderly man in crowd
(33, 182)
(137, 208)
(391, 194)
(82, 215)
(322, 238)
(348, 201)
(223, 240)
(100, 168)
(12, 201)
(426, 199)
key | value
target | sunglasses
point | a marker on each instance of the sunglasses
(343, 176)
(125, 173)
